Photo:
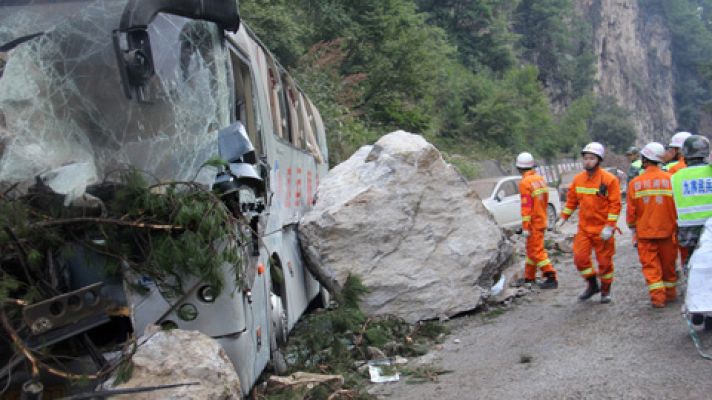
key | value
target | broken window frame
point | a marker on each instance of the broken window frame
(245, 92)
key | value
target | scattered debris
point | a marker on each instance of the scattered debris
(424, 374)
(338, 341)
(382, 371)
(304, 382)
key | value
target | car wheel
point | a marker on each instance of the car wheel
(551, 216)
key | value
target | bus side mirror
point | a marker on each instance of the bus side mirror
(131, 41)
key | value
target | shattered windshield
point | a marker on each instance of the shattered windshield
(62, 100)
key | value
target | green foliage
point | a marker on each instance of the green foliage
(479, 28)
(572, 129)
(279, 24)
(167, 232)
(512, 112)
(610, 125)
(166, 256)
(446, 69)
(124, 372)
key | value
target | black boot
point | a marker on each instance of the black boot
(591, 289)
(550, 282)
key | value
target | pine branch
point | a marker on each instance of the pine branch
(110, 221)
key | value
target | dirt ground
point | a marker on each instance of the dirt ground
(548, 345)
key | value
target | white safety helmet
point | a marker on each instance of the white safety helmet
(653, 151)
(594, 148)
(678, 139)
(525, 161)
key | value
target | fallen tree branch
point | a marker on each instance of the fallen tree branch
(109, 221)
(22, 256)
(322, 273)
(18, 342)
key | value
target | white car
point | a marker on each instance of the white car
(501, 198)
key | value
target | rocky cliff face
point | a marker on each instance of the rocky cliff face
(634, 63)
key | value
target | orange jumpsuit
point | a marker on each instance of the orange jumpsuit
(651, 212)
(684, 253)
(598, 197)
(535, 198)
(678, 166)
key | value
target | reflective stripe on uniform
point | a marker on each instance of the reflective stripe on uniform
(694, 209)
(543, 263)
(653, 192)
(656, 286)
(587, 271)
(612, 217)
(568, 211)
(585, 190)
(669, 284)
(691, 222)
(539, 191)
(529, 261)
(526, 218)
(607, 276)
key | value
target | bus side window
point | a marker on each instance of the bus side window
(278, 103)
(316, 125)
(295, 121)
(287, 108)
(307, 119)
(246, 110)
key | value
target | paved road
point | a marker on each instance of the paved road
(578, 350)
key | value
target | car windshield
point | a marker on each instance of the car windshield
(62, 100)
(484, 188)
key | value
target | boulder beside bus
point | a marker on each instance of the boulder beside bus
(403, 220)
(190, 359)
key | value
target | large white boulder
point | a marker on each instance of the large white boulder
(179, 356)
(403, 220)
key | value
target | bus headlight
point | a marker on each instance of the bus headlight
(206, 294)
(187, 312)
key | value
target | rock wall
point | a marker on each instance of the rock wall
(634, 64)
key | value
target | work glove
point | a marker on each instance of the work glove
(559, 224)
(607, 233)
(526, 234)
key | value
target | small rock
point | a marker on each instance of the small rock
(427, 359)
(457, 341)
(374, 353)
(439, 347)
(398, 360)
(363, 370)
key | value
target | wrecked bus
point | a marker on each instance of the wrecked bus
(160, 86)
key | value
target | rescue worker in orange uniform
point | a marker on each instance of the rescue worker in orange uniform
(534, 199)
(673, 154)
(597, 195)
(676, 161)
(652, 217)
